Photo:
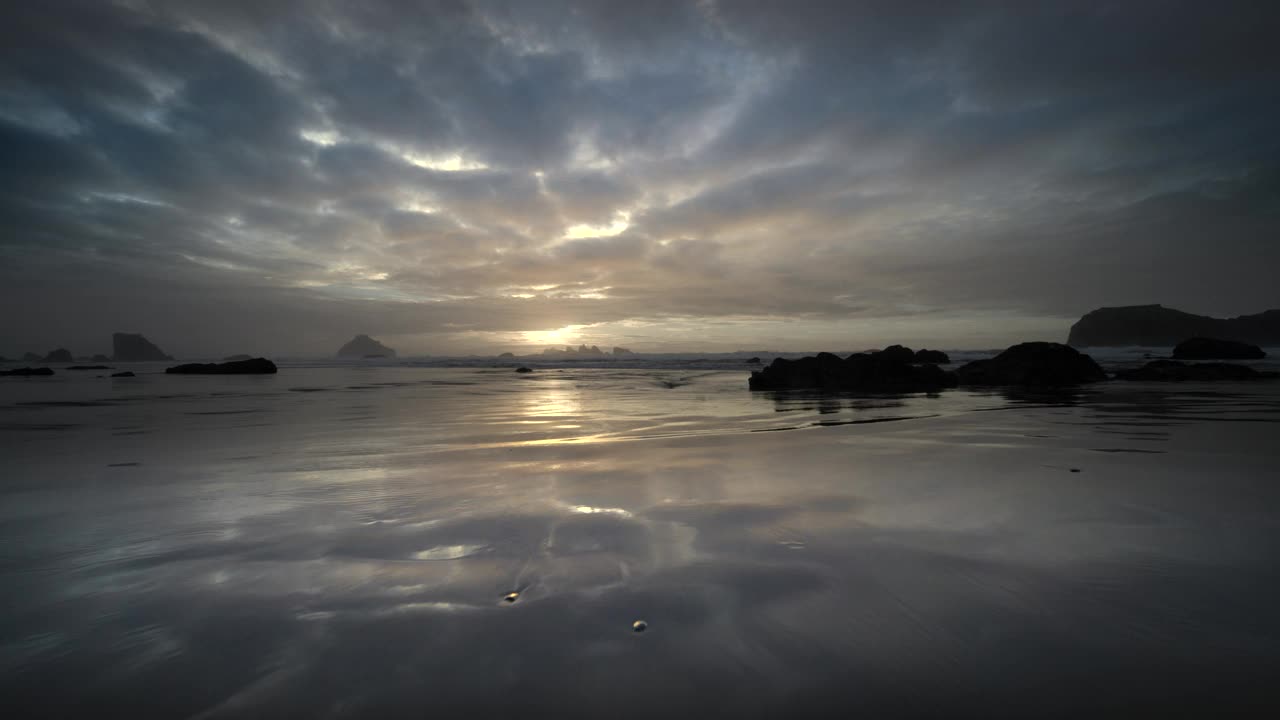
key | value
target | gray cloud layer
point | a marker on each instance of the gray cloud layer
(277, 176)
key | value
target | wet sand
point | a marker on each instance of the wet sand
(341, 542)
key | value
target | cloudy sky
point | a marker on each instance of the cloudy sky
(452, 177)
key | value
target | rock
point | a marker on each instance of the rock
(507, 356)
(1202, 348)
(1157, 326)
(639, 626)
(523, 369)
(88, 367)
(621, 351)
(1174, 371)
(27, 372)
(753, 361)
(1033, 363)
(237, 358)
(256, 366)
(889, 370)
(937, 357)
(31, 357)
(61, 355)
(126, 373)
(363, 346)
(99, 359)
(127, 347)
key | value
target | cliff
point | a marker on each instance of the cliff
(1158, 326)
(128, 347)
(362, 346)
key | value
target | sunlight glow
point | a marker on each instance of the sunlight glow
(621, 222)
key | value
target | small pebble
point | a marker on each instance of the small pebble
(639, 626)
(511, 596)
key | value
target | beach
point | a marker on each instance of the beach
(391, 541)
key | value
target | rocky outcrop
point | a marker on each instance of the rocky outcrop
(88, 367)
(1174, 371)
(621, 351)
(890, 370)
(126, 373)
(507, 356)
(937, 357)
(255, 366)
(61, 355)
(1040, 364)
(1158, 326)
(523, 369)
(363, 346)
(129, 347)
(1202, 348)
(237, 358)
(26, 372)
(753, 361)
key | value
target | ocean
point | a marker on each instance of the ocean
(449, 538)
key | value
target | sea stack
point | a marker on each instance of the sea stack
(254, 366)
(129, 347)
(1158, 326)
(363, 346)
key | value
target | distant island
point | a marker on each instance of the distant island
(129, 347)
(1159, 326)
(363, 346)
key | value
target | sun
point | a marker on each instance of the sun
(566, 335)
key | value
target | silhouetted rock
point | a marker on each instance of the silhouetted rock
(31, 357)
(936, 357)
(126, 373)
(1202, 348)
(1174, 371)
(1033, 363)
(237, 358)
(753, 361)
(888, 370)
(26, 372)
(1154, 325)
(621, 351)
(61, 355)
(363, 346)
(507, 356)
(898, 353)
(256, 366)
(99, 359)
(523, 369)
(88, 367)
(129, 347)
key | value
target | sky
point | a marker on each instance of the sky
(478, 177)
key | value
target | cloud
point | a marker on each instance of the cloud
(283, 175)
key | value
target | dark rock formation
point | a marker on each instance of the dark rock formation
(61, 355)
(936, 357)
(523, 369)
(621, 351)
(31, 357)
(26, 372)
(889, 370)
(753, 361)
(127, 347)
(88, 367)
(237, 358)
(256, 366)
(1033, 363)
(126, 373)
(362, 346)
(99, 359)
(1174, 371)
(507, 356)
(1156, 326)
(1202, 348)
